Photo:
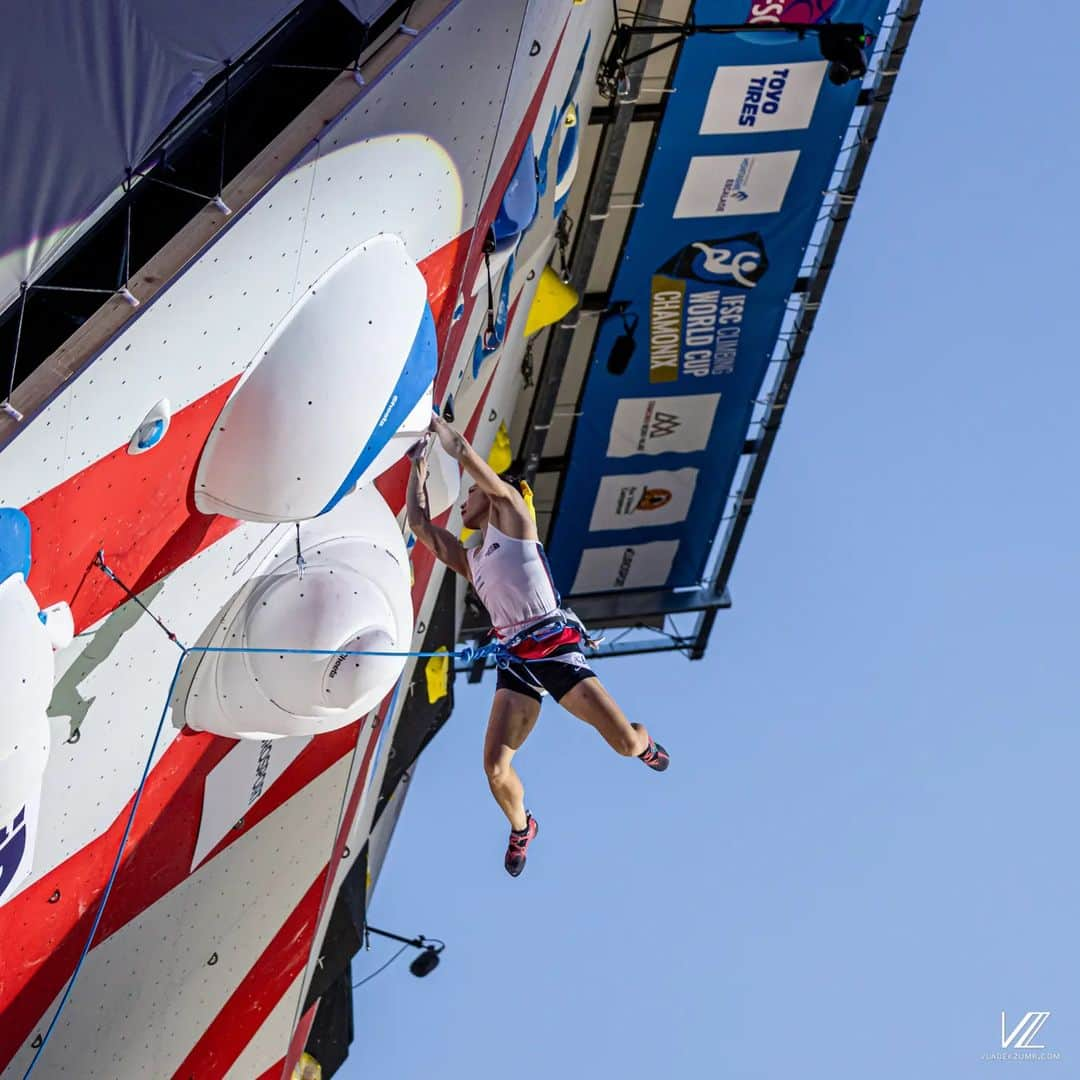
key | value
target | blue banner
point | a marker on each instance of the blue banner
(745, 150)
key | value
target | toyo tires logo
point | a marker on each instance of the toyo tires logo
(792, 11)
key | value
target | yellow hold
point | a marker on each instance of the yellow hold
(307, 1068)
(527, 495)
(501, 455)
(553, 299)
(436, 672)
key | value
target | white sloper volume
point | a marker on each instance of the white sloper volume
(26, 673)
(316, 413)
(354, 597)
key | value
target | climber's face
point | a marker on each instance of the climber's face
(475, 509)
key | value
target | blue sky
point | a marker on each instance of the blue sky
(865, 847)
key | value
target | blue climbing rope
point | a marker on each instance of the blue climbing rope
(464, 655)
(112, 874)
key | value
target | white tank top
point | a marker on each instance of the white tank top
(512, 579)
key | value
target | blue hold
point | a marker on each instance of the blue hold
(416, 376)
(556, 118)
(520, 203)
(575, 82)
(153, 436)
(545, 151)
(14, 543)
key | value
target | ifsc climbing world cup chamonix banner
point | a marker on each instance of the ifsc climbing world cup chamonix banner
(747, 144)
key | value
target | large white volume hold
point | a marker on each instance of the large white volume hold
(327, 392)
(317, 651)
(26, 675)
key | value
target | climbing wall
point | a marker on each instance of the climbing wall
(202, 958)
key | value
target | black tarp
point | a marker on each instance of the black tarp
(331, 1032)
(422, 717)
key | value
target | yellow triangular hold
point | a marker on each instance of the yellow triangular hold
(501, 455)
(436, 671)
(553, 299)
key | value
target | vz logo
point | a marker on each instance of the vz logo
(1020, 1037)
(736, 260)
(492, 547)
(12, 848)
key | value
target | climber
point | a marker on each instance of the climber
(543, 643)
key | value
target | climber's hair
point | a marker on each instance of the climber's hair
(512, 478)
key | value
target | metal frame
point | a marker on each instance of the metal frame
(809, 289)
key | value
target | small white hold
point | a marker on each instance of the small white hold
(152, 429)
(59, 624)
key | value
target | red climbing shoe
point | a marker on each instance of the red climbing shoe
(519, 842)
(655, 756)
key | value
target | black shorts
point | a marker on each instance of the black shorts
(557, 673)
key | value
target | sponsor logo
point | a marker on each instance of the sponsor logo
(652, 498)
(662, 497)
(266, 748)
(659, 426)
(748, 98)
(698, 304)
(737, 260)
(736, 185)
(763, 95)
(625, 563)
(492, 547)
(337, 664)
(387, 411)
(625, 566)
(790, 11)
(634, 498)
(674, 424)
(12, 849)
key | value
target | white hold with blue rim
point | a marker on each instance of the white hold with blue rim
(334, 397)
